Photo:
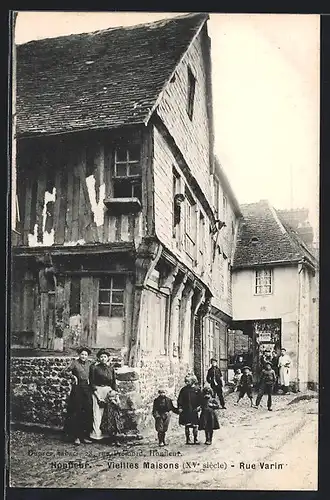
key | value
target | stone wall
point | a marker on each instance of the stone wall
(156, 372)
(39, 392)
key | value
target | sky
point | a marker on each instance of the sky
(265, 79)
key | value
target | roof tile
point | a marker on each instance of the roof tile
(103, 79)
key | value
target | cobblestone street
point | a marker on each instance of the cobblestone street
(254, 449)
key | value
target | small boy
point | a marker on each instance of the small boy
(237, 378)
(266, 386)
(208, 420)
(245, 385)
(161, 412)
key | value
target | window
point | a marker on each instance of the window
(176, 205)
(191, 93)
(111, 296)
(190, 226)
(216, 196)
(226, 276)
(224, 208)
(263, 281)
(127, 172)
(201, 237)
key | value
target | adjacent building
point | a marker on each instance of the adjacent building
(275, 291)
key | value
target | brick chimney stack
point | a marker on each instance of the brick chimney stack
(297, 218)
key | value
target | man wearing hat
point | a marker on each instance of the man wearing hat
(215, 379)
(266, 386)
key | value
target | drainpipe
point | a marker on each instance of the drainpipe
(300, 268)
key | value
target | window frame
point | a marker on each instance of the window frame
(263, 285)
(190, 220)
(224, 207)
(134, 180)
(191, 92)
(112, 289)
(216, 195)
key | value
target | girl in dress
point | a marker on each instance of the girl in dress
(208, 420)
(189, 403)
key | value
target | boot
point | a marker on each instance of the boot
(206, 437)
(160, 438)
(187, 432)
(251, 402)
(163, 440)
(210, 436)
(195, 433)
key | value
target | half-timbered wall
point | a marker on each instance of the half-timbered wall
(63, 182)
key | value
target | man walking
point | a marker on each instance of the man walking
(215, 379)
(284, 363)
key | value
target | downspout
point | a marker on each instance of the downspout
(300, 268)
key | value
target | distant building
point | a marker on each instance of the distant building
(275, 291)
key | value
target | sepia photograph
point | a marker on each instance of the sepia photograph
(164, 251)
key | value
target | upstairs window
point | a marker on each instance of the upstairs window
(216, 196)
(111, 296)
(224, 208)
(190, 225)
(127, 172)
(191, 93)
(263, 282)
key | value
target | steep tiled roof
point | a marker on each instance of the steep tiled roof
(226, 185)
(103, 79)
(274, 242)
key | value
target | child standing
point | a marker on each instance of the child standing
(237, 378)
(245, 384)
(189, 402)
(267, 382)
(161, 412)
(208, 420)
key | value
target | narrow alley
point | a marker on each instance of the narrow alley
(254, 449)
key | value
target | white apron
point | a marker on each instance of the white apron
(98, 412)
(284, 371)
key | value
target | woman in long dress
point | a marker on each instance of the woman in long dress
(79, 416)
(103, 383)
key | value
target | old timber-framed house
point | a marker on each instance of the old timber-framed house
(115, 171)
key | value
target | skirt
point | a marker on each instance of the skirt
(112, 421)
(98, 411)
(189, 417)
(208, 420)
(79, 414)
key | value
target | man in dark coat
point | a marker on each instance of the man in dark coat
(245, 385)
(214, 378)
(266, 386)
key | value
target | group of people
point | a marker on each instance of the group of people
(93, 410)
(274, 375)
(93, 405)
(196, 407)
